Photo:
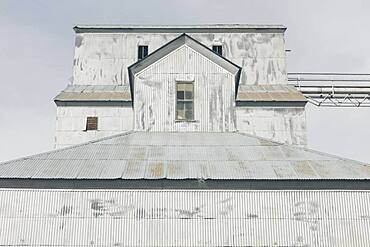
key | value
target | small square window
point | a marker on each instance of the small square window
(217, 49)
(91, 123)
(185, 101)
(142, 51)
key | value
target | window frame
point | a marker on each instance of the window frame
(183, 101)
(142, 52)
(215, 49)
(88, 123)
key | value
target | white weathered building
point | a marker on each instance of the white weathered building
(182, 136)
(242, 88)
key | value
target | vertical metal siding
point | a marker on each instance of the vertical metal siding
(155, 94)
(103, 58)
(71, 123)
(184, 218)
(282, 124)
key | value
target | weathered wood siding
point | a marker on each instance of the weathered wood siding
(155, 94)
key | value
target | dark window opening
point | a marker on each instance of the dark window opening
(185, 101)
(92, 123)
(142, 51)
(217, 49)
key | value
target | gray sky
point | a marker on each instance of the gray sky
(37, 42)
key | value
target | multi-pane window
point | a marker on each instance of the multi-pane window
(185, 101)
(142, 51)
(92, 123)
(217, 49)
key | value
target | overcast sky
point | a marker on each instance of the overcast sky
(37, 42)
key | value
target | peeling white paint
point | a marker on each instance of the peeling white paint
(281, 124)
(71, 123)
(155, 94)
(103, 58)
(184, 218)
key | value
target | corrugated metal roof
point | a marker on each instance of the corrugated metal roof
(94, 93)
(122, 93)
(184, 218)
(269, 93)
(187, 155)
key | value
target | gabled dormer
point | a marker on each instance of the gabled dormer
(184, 86)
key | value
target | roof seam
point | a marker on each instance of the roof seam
(30, 157)
(188, 160)
(306, 149)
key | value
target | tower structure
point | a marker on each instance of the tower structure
(125, 77)
(183, 136)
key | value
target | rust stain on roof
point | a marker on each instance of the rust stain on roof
(303, 167)
(269, 93)
(105, 96)
(94, 93)
(157, 170)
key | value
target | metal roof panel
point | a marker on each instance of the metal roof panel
(94, 93)
(186, 155)
(266, 93)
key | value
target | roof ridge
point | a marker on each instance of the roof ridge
(185, 37)
(260, 138)
(174, 44)
(274, 143)
(328, 154)
(89, 160)
(304, 148)
(69, 147)
(193, 26)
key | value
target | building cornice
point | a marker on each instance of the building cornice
(212, 28)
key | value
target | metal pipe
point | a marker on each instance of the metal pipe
(329, 86)
(334, 90)
(325, 80)
(328, 73)
(322, 96)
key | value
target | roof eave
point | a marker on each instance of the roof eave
(180, 28)
(187, 184)
(169, 47)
